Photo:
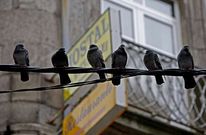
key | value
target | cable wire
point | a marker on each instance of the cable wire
(127, 72)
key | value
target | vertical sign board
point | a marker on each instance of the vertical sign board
(99, 33)
(96, 111)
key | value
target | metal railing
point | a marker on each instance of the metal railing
(169, 100)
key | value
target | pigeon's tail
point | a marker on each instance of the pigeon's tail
(64, 78)
(189, 81)
(102, 76)
(159, 79)
(116, 79)
(24, 76)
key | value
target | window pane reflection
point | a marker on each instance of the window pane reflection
(126, 18)
(138, 1)
(158, 34)
(161, 6)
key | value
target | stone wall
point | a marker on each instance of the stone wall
(193, 24)
(37, 24)
(82, 13)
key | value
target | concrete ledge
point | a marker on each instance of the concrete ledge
(33, 128)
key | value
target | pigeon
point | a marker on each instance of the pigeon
(152, 62)
(95, 59)
(21, 58)
(119, 60)
(8, 131)
(185, 62)
(59, 59)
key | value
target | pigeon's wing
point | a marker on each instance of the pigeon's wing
(27, 57)
(192, 61)
(125, 58)
(53, 59)
(157, 62)
(90, 55)
(100, 56)
(178, 59)
(114, 55)
(14, 56)
(192, 64)
(66, 60)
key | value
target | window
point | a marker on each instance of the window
(126, 18)
(162, 6)
(158, 34)
(138, 1)
(152, 23)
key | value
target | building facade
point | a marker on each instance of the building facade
(163, 26)
(36, 24)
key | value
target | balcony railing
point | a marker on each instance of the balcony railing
(169, 100)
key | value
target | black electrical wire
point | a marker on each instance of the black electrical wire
(78, 70)
(127, 72)
(61, 86)
(57, 86)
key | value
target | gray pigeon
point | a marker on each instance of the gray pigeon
(185, 62)
(8, 131)
(95, 59)
(152, 62)
(119, 60)
(21, 58)
(59, 59)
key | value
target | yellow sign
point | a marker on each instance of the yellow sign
(99, 33)
(91, 110)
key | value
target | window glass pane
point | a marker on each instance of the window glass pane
(159, 34)
(126, 18)
(138, 1)
(161, 6)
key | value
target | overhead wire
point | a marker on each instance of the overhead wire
(127, 72)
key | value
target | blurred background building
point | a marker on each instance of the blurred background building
(160, 25)
(163, 26)
(36, 24)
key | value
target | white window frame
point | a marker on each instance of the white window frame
(139, 11)
(116, 2)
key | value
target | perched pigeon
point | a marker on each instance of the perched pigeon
(119, 60)
(152, 62)
(21, 58)
(185, 62)
(95, 58)
(59, 59)
(8, 131)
